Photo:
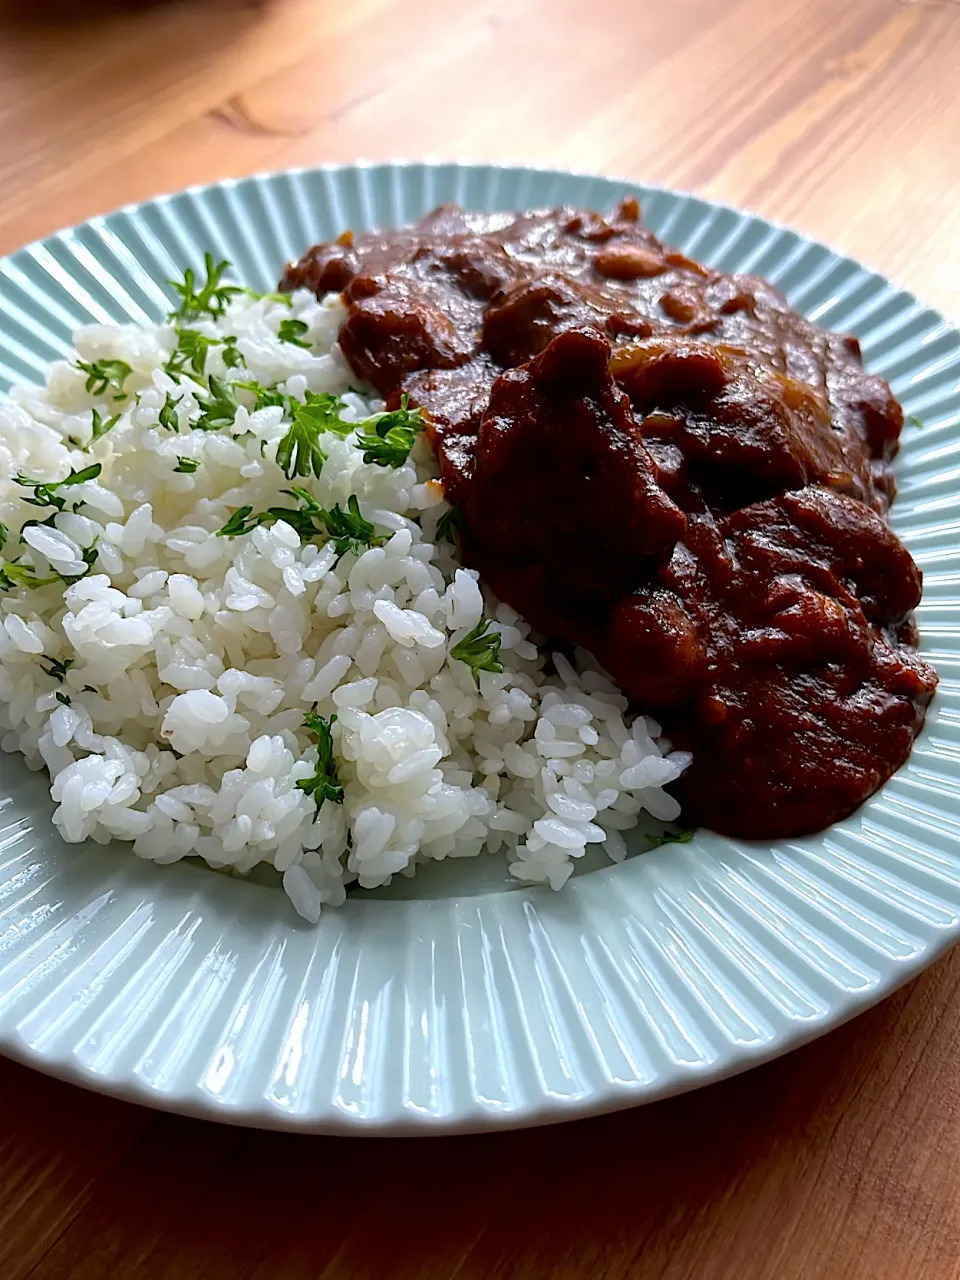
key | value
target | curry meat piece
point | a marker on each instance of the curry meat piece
(669, 466)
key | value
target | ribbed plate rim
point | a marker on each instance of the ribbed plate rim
(546, 1108)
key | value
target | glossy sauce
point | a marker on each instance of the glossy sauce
(669, 466)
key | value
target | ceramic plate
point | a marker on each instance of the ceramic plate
(463, 1003)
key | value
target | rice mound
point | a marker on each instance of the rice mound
(216, 647)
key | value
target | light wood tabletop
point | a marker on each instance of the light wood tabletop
(843, 119)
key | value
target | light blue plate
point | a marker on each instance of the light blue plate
(471, 1006)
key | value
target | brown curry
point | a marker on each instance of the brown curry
(669, 466)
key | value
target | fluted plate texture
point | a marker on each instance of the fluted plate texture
(456, 1001)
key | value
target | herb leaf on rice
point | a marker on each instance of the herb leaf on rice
(100, 426)
(45, 493)
(299, 452)
(392, 437)
(324, 784)
(106, 377)
(293, 331)
(57, 668)
(167, 416)
(210, 298)
(449, 525)
(347, 528)
(479, 650)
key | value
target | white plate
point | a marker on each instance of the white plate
(467, 1004)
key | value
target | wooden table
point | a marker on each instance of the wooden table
(839, 116)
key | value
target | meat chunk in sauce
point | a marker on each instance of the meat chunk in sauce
(800, 696)
(593, 520)
(669, 466)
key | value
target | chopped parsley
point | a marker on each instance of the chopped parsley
(4, 535)
(62, 697)
(285, 298)
(323, 412)
(14, 575)
(47, 495)
(193, 347)
(168, 414)
(241, 521)
(101, 427)
(324, 784)
(88, 555)
(264, 397)
(221, 409)
(449, 525)
(351, 531)
(914, 421)
(49, 523)
(309, 519)
(57, 669)
(210, 299)
(299, 452)
(670, 837)
(348, 529)
(392, 437)
(293, 331)
(479, 649)
(20, 575)
(186, 465)
(232, 355)
(106, 377)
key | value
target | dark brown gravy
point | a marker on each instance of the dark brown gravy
(669, 466)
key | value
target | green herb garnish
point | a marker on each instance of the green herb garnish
(88, 555)
(324, 784)
(670, 837)
(292, 331)
(449, 525)
(299, 452)
(168, 414)
(351, 531)
(57, 669)
(62, 697)
(240, 523)
(392, 437)
(14, 575)
(46, 495)
(479, 649)
(192, 349)
(186, 465)
(209, 300)
(309, 519)
(101, 427)
(348, 529)
(105, 376)
(221, 409)
(323, 412)
(914, 421)
(264, 397)
(285, 298)
(232, 356)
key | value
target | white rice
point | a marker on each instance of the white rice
(216, 647)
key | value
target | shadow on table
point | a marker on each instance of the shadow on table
(713, 1184)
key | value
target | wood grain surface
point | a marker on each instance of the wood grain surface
(841, 117)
